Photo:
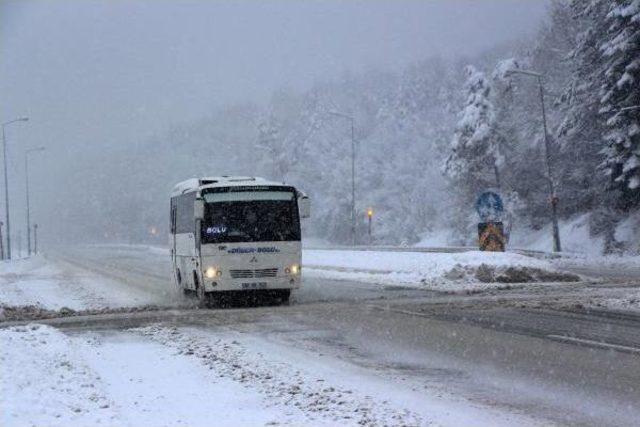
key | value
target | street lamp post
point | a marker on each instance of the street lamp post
(6, 181)
(370, 216)
(35, 239)
(26, 171)
(353, 174)
(552, 191)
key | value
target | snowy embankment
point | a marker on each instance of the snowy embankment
(439, 271)
(575, 233)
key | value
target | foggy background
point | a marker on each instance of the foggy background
(106, 84)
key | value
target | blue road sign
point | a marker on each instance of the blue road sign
(489, 206)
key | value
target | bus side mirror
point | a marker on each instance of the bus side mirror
(304, 204)
(198, 209)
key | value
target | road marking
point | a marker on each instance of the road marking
(595, 343)
(563, 338)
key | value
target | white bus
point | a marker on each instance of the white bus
(233, 233)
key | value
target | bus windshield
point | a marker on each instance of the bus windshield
(250, 216)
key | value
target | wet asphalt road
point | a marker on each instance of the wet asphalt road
(530, 349)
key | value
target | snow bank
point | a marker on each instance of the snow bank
(628, 233)
(441, 271)
(44, 381)
(574, 235)
(50, 379)
(576, 238)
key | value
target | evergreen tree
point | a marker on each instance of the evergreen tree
(475, 149)
(620, 98)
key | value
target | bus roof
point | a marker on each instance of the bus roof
(220, 181)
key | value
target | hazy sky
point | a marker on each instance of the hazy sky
(97, 70)
(92, 73)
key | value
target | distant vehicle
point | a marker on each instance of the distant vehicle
(234, 233)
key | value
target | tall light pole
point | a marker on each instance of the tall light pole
(26, 171)
(353, 173)
(6, 181)
(552, 191)
(370, 216)
(35, 239)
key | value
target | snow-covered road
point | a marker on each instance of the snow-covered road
(344, 353)
(195, 377)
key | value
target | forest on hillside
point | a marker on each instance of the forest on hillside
(428, 139)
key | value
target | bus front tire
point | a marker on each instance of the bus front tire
(284, 295)
(203, 300)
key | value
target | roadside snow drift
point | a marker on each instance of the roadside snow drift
(48, 378)
(45, 382)
(438, 271)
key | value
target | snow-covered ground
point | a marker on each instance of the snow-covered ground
(629, 302)
(621, 268)
(437, 271)
(159, 376)
(574, 233)
(55, 285)
(48, 378)
(227, 375)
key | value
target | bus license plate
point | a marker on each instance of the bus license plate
(255, 285)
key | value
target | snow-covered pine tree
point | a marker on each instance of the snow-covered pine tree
(579, 28)
(475, 157)
(620, 98)
(271, 145)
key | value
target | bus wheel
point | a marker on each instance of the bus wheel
(284, 295)
(203, 300)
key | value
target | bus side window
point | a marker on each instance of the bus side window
(184, 213)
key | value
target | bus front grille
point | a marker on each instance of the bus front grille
(241, 274)
(266, 272)
(247, 274)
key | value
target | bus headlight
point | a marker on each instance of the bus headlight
(293, 270)
(212, 272)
